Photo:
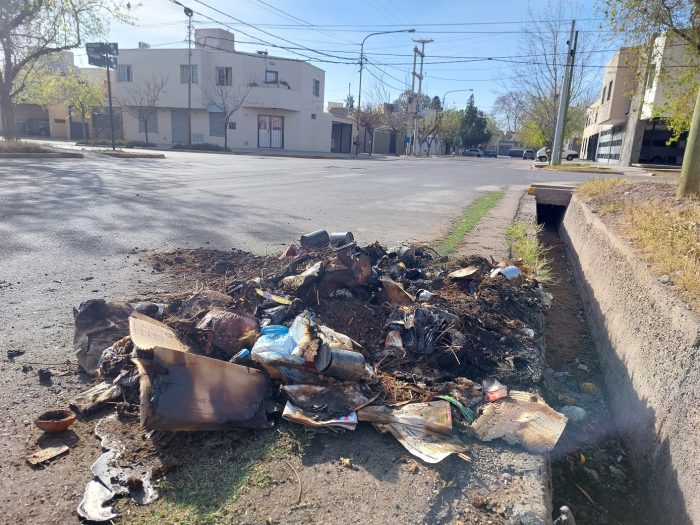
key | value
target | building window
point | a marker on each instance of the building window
(231, 125)
(223, 76)
(603, 97)
(317, 88)
(183, 73)
(271, 77)
(610, 89)
(150, 116)
(313, 116)
(123, 73)
(217, 124)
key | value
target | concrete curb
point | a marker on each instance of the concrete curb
(48, 155)
(648, 342)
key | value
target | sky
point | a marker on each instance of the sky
(465, 34)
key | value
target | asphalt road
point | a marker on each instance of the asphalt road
(74, 229)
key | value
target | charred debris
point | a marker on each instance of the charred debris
(329, 335)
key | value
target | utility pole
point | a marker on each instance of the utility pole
(420, 53)
(109, 94)
(564, 97)
(189, 14)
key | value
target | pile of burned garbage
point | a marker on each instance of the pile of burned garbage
(436, 352)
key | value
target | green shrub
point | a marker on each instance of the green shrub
(139, 144)
(205, 146)
(119, 143)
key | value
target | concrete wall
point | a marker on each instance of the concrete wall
(306, 126)
(649, 346)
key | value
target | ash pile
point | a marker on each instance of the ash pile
(439, 353)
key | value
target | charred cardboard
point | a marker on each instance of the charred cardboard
(183, 391)
(187, 392)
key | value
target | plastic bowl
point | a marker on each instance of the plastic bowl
(55, 420)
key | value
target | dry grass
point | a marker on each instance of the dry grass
(596, 188)
(18, 146)
(581, 168)
(670, 239)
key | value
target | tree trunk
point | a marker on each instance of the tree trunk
(690, 172)
(226, 134)
(8, 116)
(145, 129)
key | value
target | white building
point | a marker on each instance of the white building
(282, 104)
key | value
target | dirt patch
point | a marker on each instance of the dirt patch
(591, 473)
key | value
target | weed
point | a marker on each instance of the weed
(471, 216)
(611, 206)
(670, 239)
(596, 188)
(18, 146)
(523, 240)
(206, 489)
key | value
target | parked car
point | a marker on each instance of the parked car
(529, 154)
(543, 154)
(491, 153)
(515, 152)
(474, 152)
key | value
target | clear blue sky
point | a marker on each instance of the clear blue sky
(459, 29)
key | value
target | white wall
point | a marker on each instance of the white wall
(294, 101)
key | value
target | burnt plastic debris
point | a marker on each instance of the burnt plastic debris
(341, 238)
(228, 330)
(98, 325)
(317, 239)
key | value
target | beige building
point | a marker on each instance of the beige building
(606, 117)
(625, 125)
(282, 98)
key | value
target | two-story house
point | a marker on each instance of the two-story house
(625, 124)
(281, 99)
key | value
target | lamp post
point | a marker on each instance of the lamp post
(452, 91)
(189, 13)
(359, 94)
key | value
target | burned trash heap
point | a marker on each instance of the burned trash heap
(438, 353)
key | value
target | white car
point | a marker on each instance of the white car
(544, 153)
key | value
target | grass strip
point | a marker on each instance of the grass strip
(206, 488)
(670, 239)
(471, 216)
(524, 243)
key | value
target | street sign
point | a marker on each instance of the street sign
(98, 51)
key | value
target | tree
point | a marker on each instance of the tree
(473, 126)
(32, 29)
(350, 103)
(639, 22)
(77, 91)
(509, 109)
(369, 119)
(428, 129)
(228, 100)
(449, 132)
(141, 101)
(540, 78)
(531, 135)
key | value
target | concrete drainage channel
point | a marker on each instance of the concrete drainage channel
(613, 342)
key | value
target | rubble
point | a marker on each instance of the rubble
(331, 334)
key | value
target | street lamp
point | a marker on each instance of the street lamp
(452, 91)
(188, 14)
(359, 94)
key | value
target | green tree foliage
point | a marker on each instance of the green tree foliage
(473, 127)
(77, 91)
(33, 29)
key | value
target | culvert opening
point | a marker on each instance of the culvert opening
(591, 473)
(550, 215)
